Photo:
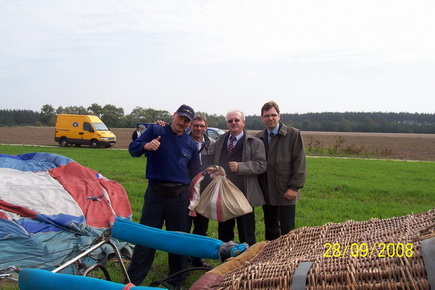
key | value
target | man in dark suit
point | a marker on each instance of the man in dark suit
(243, 158)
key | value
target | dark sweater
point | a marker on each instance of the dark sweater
(236, 155)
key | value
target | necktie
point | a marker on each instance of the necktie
(231, 145)
(271, 134)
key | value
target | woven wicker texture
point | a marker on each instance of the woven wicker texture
(358, 264)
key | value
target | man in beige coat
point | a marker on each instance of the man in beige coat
(285, 175)
(243, 158)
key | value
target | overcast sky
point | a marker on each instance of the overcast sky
(309, 56)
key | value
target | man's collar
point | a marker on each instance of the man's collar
(239, 136)
(275, 130)
(200, 141)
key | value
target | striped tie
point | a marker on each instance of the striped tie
(231, 145)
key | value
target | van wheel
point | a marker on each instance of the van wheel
(94, 144)
(63, 143)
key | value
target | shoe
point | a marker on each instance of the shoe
(200, 263)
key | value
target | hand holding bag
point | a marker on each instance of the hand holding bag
(221, 200)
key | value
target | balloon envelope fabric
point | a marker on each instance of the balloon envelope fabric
(51, 207)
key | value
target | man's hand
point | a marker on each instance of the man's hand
(160, 122)
(234, 166)
(153, 145)
(216, 174)
(290, 194)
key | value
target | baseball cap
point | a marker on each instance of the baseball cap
(186, 111)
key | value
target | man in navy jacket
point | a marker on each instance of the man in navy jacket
(172, 161)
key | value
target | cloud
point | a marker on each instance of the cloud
(223, 31)
(110, 51)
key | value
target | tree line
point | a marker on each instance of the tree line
(114, 117)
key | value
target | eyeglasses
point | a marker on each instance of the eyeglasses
(233, 121)
(199, 126)
(270, 115)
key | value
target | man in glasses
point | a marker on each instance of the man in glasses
(206, 150)
(285, 175)
(172, 161)
(243, 158)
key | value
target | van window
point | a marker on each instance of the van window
(100, 127)
(87, 127)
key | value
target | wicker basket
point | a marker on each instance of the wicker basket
(374, 254)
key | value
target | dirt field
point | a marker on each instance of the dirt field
(399, 146)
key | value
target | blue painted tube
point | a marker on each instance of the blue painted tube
(168, 241)
(37, 279)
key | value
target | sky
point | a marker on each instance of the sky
(308, 56)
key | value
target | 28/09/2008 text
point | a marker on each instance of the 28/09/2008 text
(382, 250)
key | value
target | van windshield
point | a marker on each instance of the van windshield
(100, 127)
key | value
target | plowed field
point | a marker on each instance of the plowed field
(398, 146)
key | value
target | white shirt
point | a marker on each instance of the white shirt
(237, 139)
(199, 145)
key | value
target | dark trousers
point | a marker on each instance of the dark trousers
(200, 227)
(158, 209)
(245, 226)
(200, 224)
(278, 220)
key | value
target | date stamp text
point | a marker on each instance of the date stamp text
(381, 250)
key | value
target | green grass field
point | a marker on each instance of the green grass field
(336, 189)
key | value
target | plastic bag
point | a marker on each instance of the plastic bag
(221, 200)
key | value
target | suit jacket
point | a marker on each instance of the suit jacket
(286, 166)
(253, 163)
(207, 152)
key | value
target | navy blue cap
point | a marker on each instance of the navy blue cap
(186, 111)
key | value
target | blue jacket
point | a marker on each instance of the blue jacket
(175, 161)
